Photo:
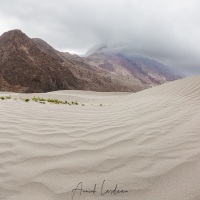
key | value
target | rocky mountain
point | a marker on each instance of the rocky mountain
(149, 72)
(32, 65)
(27, 67)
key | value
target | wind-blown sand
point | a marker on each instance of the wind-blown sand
(148, 143)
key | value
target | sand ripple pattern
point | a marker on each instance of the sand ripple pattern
(148, 143)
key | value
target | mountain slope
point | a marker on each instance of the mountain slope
(32, 65)
(23, 63)
(94, 78)
(149, 72)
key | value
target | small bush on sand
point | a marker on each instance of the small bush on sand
(74, 103)
(35, 99)
(8, 97)
(5, 97)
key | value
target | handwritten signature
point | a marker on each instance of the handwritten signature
(80, 190)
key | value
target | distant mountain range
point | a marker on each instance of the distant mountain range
(32, 65)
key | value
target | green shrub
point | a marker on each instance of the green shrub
(74, 103)
(55, 101)
(41, 99)
(8, 97)
(35, 99)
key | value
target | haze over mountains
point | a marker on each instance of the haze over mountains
(32, 65)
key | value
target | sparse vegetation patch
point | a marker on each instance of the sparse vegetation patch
(5, 97)
(42, 100)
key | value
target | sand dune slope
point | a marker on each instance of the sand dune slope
(148, 144)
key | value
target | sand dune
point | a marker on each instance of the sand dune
(148, 143)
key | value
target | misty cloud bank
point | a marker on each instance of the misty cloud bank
(166, 30)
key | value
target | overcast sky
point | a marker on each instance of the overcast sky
(164, 30)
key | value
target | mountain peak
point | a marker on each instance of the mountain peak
(15, 32)
(13, 35)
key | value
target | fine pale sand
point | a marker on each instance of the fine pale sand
(147, 143)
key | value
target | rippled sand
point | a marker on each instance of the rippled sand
(147, 143)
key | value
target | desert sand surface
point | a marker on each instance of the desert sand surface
(146, 143)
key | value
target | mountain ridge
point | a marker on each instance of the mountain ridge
(32, 65)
